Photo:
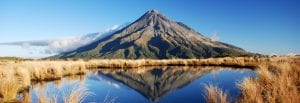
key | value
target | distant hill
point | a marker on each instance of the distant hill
(13, 59)
(154, 36)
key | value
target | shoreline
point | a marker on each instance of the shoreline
(23, 73)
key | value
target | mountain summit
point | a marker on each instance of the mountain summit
(154, 36)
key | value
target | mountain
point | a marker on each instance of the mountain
(154, 36)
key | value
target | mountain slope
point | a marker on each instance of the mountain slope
(157, 37)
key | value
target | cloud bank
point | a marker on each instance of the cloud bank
(65, 44)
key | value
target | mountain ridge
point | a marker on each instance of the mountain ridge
(154, 36)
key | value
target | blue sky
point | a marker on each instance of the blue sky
(262, 26)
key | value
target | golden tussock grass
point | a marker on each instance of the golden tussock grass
(10, 84)
(18, 76)
(214, 94)
(275, 83)
(9, 89)
(226, 61)
(76, 94)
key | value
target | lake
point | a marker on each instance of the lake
(148, 84)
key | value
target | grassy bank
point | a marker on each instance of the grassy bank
(276, 82)
(16, 76)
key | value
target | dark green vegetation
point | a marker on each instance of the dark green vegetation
(154, 36)
(12, 59)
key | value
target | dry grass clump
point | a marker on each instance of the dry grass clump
(8, 88)
(276, 83)
(17, 76)
(49, 70)
(11, 82)
(23, 77)
(44, 70)
(251, 91)
(76, 94)
(215, 95)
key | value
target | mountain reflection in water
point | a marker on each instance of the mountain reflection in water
(149, 84)
(155, 82)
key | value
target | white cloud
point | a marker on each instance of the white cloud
(65, 44)
(25, 45)
(215, 36)
(291, 54)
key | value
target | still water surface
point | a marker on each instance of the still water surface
(149, 84)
